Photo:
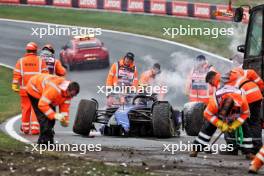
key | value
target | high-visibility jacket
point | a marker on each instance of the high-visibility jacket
(147, 78)
(50, 90)
(27, 67)
(240, 110)
(251, 75)
(258, 161)
(198, 89)
(54, 66)
(251, 89)
(121, 75)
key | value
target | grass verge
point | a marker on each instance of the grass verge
(16, 158)
(9, 101)
(134, 23)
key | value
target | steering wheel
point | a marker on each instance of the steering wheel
(151, 98)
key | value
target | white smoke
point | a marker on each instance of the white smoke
(176, 77)
(173, 75)
(148, 61)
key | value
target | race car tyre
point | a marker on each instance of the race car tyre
(163, 126)
(193, 117)
(85, 117)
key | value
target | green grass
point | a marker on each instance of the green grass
(9, 106)
(134, 23)
(9, 144)
(9, 101)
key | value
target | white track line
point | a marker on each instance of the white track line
(9, 127)
(7, 66)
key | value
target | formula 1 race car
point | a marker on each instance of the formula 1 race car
(138, 115)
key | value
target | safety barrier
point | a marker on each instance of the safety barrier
(160, 7)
